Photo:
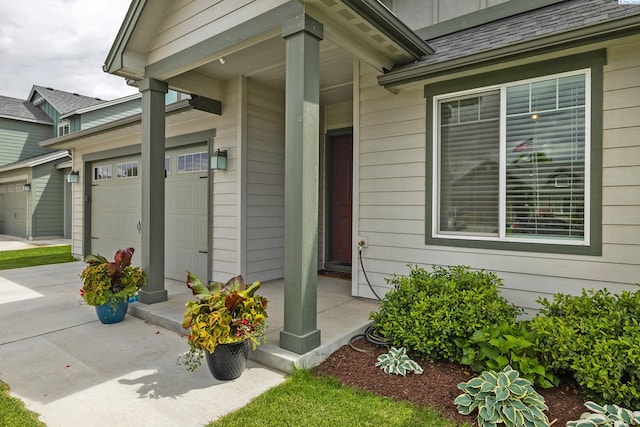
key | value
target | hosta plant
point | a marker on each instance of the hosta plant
(502, 398)
(397, 362)
(222, 314)
(607, 415)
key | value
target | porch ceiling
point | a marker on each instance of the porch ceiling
(265, 62)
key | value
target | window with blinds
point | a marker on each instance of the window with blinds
(511, 161)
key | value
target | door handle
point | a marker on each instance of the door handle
(139, 226)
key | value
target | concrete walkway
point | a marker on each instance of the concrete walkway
(72, 370)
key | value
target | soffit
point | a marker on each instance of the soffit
(266, 63)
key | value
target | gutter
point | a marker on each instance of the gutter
(588, 35)
(384, 20)
(35, 161)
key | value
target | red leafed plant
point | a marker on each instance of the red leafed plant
(108, 281)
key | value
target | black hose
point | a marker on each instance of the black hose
(365, 275)
(372, 337)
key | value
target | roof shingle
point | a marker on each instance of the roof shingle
(22, 110)
(62, 101)
(544, 22)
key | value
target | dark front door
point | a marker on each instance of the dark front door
(340, 199)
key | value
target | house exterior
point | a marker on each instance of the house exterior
(502, 135)
(35, 196)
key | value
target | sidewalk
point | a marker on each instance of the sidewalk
(72, 370)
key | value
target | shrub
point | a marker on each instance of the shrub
(502, 398)
(595, 337)
(425, 312)
(496, 346)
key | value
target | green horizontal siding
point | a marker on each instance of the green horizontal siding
(19, 140)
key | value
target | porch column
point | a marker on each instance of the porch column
(152, 174)
(302, 135)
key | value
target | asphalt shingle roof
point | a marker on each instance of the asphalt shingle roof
(536, 24)
(65, 102)
(22, 110)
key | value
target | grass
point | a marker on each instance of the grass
(306, 400)
(35, 256)
(13, 412)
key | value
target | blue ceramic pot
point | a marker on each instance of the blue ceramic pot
(112, 312)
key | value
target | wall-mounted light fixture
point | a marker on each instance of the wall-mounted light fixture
(219, 160)
(73, 176)
(26, 187)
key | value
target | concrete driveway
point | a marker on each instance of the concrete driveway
(72, 370)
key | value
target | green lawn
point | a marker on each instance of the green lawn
(35, 256)
(13, 413)
(305, 400)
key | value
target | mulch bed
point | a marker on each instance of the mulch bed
(436, 387)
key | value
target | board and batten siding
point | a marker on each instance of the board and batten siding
(189, 22)
(393, 176)
(265, 183)
(19, 140)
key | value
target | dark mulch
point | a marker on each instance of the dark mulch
(436, 387)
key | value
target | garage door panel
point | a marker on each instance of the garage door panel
(116, 213)
(13, 214)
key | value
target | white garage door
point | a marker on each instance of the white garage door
(13, 209)
(186, 212)
(116, 209)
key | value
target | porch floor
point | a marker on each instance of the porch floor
(340, 317)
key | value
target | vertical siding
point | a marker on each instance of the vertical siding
(19, 140)
(55, 116)
(47, 212)
(265, 183)
(189, 22)
(393, 179)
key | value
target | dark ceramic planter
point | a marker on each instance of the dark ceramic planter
(228, 361)
(109, 313)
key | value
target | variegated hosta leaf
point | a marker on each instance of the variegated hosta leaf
(594, 407)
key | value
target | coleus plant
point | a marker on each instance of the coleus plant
(109, 281)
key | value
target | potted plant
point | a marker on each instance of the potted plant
(224, 320)
(108, 285)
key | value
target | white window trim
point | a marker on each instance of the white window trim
(192, 154)
(95, 168)
(502, 237)
(132, 162)
(62, 125)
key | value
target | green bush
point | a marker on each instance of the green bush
(497, 346)
(595, 337)
(426, 311)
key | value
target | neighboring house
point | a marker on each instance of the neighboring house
(35, 198)
(347, 122)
